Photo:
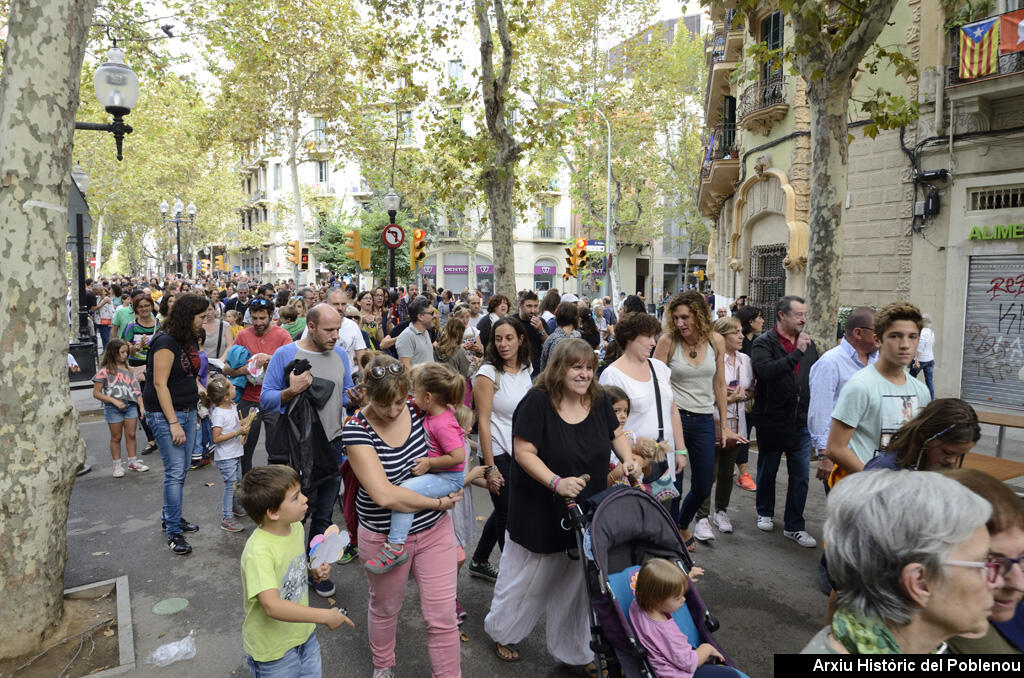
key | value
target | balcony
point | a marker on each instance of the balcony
(763, 104)
(974, 97)
(720, 170)
(258, 196)
(549, 233)
(723, 52)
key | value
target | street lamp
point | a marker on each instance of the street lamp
(117, 88)
(178, 210)
(392, 202)
(608, 200)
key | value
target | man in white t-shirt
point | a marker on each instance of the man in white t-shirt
(925, 358)
(350, 337)
(880, 398)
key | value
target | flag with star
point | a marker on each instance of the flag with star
(979, 48)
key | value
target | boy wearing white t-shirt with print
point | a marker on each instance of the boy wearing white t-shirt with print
(228, 434)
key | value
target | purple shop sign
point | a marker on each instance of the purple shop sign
(448, 268)
(543, 269)
(428, 269)
(487, 269)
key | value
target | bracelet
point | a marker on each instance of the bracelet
(488, 469)
(171, 423)
(553, 483)
(439, 503)
(682, 452)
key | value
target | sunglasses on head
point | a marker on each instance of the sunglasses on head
(380, 371)
(260, 305)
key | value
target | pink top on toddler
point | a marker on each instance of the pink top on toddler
(444, 435)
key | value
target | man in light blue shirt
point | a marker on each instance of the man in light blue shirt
(855, 351)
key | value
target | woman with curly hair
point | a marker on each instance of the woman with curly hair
(695, 356)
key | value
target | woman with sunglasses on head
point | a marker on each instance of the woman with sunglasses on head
(384, 440)
(1005, 633)
(938, 437)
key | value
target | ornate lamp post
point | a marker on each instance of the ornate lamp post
(177, 218)
(391, 203)
(117, 88)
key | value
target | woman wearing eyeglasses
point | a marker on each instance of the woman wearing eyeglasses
(1005, 633)
(938, 437)
(384, 440)
(908, 555)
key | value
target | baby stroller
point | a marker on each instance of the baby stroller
(616, 532)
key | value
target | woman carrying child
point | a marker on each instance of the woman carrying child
(117, 388)
(228, 433)
(385, 442)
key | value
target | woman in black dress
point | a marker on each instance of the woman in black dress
(561, 431)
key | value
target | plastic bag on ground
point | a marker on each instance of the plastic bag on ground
(167, 654)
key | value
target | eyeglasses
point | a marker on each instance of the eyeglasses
(1005, 563)
(380, 371)
(259, 305)
(991, 567)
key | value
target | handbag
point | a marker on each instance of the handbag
(718, 436)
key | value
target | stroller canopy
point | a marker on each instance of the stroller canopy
(630, 527)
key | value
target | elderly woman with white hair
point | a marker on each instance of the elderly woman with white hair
(908, 555)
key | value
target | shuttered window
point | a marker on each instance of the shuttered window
(994, 332)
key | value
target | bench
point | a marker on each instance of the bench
(1000, 469)
(1002, 420)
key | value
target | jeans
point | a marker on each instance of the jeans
(302, 661)
(323, 496)
(796, 443)
(494, 529)
(699, 435)
(112, 415)
(429, 485)
(432, 564)
(269, 419)
(104, 332)
(929, 369)
(230, 471)
(176, 459)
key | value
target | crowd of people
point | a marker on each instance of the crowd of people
(391, 402)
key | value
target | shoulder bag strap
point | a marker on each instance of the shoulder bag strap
(657, 400)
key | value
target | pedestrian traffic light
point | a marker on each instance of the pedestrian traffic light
(219, 259)
(304, 260)
(294, 255)
(417, 253)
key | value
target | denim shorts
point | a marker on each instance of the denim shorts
(112, 415)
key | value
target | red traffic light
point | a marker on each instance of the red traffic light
(419, 234)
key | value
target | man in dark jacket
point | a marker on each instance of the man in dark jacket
(782, 359)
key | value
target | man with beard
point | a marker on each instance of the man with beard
(261, 339)
(240, 302)
(330, 362)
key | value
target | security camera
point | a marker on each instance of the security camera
(933, 175)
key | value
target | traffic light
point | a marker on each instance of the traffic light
(575, 258)
(699, 274)
(581, 255)
(354, 245)
(294, 255)
(570, 263)
(417, 253)
(304, 260)
(219, 259)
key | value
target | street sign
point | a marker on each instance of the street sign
(393, 236)
(595, 246)
(92, 261)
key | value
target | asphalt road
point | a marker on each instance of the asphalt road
(761, 586)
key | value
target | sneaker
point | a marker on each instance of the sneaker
(195, 463)
(185, 526)
(801, 537)
(350, 553)
(118, 470)
(384, 673)
(387, 558)
(136, 465)
(238, 511)
(231, 525)
(745, 481)
(460, 612)
(178, 545)
(702, 530)
(324, 589)
(483, 571)
(765, 523)
(722, 522)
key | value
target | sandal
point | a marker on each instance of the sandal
(588, 670)
(507, 653)
(688, 540)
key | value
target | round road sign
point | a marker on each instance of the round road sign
(393, 236)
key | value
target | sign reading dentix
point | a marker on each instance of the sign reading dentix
(1004, 232)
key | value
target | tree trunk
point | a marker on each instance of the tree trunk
(42, 64)
(498, 185)
(830, 148)
(686, 266)
(293, 168)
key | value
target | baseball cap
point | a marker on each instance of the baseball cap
(570, 297)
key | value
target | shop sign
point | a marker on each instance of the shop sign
(1004, 232)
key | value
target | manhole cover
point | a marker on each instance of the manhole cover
(170, 606)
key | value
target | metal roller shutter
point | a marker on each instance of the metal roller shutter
(993, 365)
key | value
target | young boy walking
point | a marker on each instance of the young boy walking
(278, 631)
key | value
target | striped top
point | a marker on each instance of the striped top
(397, 463)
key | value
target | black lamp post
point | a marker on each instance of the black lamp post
(117, 88)
(391, 203)
(179, 208)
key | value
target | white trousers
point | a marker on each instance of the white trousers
(530, 584)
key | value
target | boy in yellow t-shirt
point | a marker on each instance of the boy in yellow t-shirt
(279, 624)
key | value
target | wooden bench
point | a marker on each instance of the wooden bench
(1002, 420)
(1001, 469)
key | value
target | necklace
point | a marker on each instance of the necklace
(693, 349)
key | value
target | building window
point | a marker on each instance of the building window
(322, 172)
(767, 282)
(405, 128)
(277, 176)
(455, 71)
(319, 130)
(548, 214)
(771, 35)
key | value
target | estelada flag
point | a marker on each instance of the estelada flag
(979, 48)
(1011, 32)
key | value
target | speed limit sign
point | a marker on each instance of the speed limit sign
(393, 236)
